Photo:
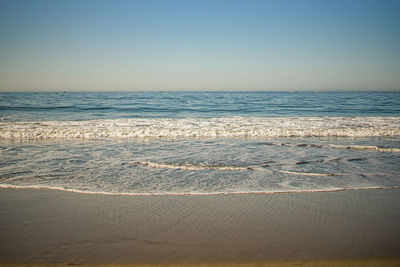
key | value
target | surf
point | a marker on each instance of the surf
(221, 127)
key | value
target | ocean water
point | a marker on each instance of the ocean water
(200, 142)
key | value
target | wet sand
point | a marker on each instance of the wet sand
(304, 263)
(350, 228)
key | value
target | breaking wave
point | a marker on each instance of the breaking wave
(227, 127)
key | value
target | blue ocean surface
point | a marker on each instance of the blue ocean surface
(41, 106)
(140, 143)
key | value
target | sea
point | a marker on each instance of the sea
(161, 143)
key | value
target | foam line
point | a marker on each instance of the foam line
(374, 148)
(196, 193)
(227, 127)
(307, 173)
(224, 168)
(190, 167)
(355, 147)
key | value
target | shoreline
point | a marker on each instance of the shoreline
(320, 263)
(77, 191)
(56, 228)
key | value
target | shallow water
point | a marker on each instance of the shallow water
(200, 166)
(200, 143)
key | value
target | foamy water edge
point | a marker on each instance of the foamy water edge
(227, 127)
(38, 187)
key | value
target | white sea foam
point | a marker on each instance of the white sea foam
(205, 127)
(190, 167)
(333, 189)
(374, 148)
(193, 167)
(356, 147)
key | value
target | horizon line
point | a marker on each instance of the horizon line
(193, 90)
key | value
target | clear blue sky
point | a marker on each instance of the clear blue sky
(199, 45)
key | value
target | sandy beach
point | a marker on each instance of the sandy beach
(55, 227)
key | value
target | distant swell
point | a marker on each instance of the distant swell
(243, 127)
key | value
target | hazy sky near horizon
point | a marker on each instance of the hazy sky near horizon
(199, 45)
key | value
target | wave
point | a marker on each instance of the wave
(355, 147)
(198, 167)
(56, 188)
(189, 166)
(243, 127)
(374, 148)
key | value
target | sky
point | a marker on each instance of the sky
(82, 45)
